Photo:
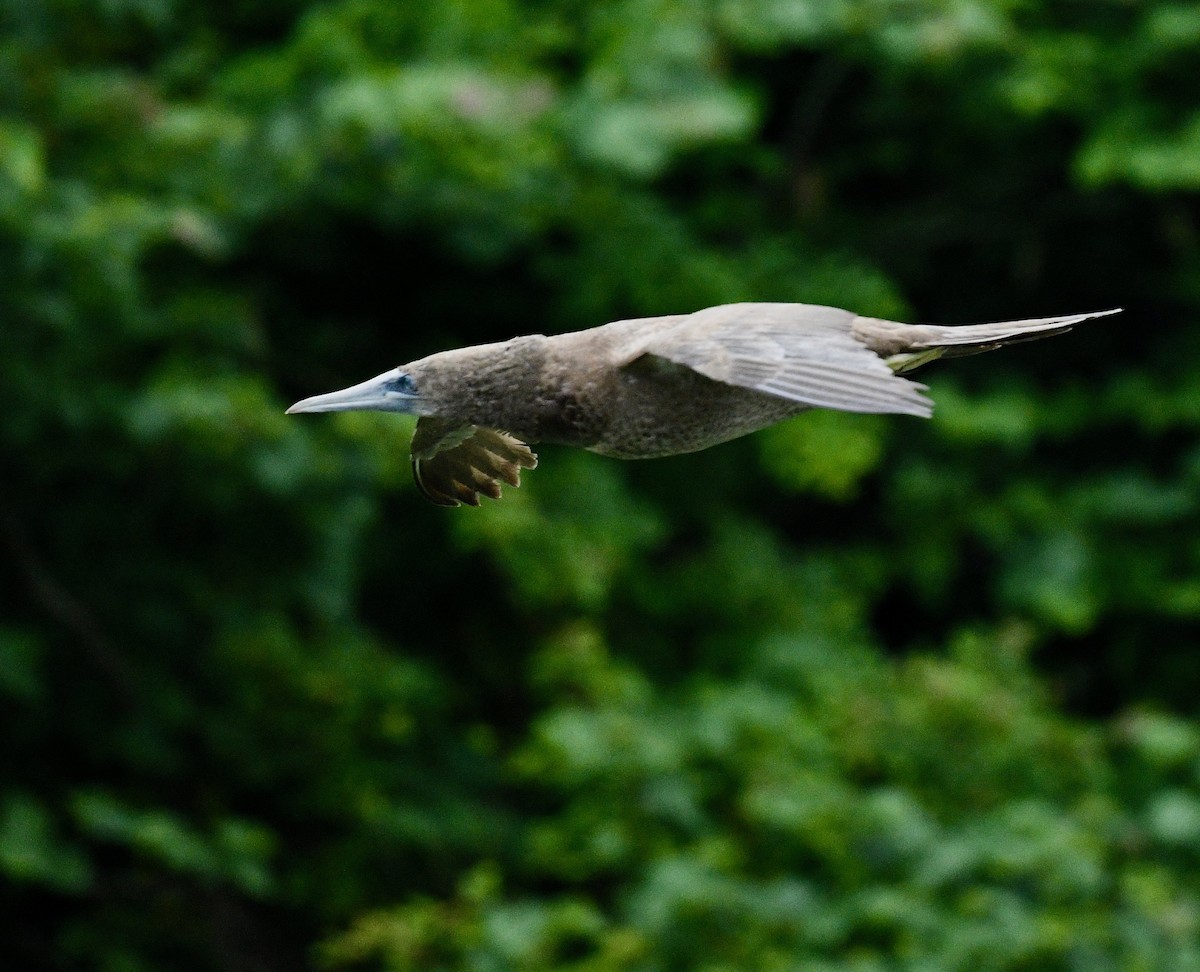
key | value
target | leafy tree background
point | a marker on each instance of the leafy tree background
(854, 693)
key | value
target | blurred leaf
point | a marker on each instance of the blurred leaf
(825, 452)
(33, 853)
(237, 853)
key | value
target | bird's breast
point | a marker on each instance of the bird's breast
(665, 410)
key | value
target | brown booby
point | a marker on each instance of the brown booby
(656, 386)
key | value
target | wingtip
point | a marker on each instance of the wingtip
(1070, 320)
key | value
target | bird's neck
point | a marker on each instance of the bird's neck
(499, 386)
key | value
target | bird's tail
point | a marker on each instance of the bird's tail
(956, 340)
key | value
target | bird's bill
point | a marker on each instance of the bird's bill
(383, 393)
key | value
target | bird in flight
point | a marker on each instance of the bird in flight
(656, 386)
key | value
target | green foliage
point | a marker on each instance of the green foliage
(857, 692)
(937, 814)
(827, 452)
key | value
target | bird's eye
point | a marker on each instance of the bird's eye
(402, 385)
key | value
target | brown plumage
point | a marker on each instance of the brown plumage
(656, 386)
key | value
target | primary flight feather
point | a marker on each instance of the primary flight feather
(656, 386)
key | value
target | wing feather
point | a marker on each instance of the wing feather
(803, 352)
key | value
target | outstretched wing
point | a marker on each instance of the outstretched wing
(454, 464)
(802, 352)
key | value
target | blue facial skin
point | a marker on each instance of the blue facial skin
(401, 393)
(401, 385)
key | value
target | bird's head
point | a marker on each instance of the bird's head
(393, 391)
